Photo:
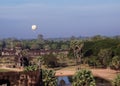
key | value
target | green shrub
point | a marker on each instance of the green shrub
(31, 68)
(116, 81)
(83, 78)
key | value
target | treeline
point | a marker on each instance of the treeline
(36, 44)
(97, 51)
(102, 53)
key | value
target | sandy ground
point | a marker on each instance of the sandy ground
(107, 74)
(12, 69)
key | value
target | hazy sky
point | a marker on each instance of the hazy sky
(59, 18)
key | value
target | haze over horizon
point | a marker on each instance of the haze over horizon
(59, 18)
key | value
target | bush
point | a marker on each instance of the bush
(116, 81)
(48, 77)
(50, 60)
(31, 68)
(83, 78)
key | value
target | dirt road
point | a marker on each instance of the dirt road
(107, 74)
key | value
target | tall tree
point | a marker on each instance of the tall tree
(40, 61)
(105, 57)
(76, 46)
(50, 60)
(46, 47)
(64, 46)
(40, 39)
(97, 37)
(54, 46)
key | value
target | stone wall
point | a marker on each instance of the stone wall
(20, 78)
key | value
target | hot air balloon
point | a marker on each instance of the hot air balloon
(34, 27)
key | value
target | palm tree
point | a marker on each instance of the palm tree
(76, 46)
(83, 78)
(48, 78)
(39, 61)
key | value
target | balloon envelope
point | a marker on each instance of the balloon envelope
(34, 27)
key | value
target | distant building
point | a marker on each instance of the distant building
(16, 52)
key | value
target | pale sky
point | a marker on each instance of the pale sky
(59, 18)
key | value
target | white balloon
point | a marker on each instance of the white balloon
(34, 27)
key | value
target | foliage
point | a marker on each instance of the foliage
(71, 54)
(105, 56)
(31, 68)
(39, 61)
(24, 53)
(116, 81)
(89, 52)
(76, 44)
(54, 46)
(48, 77)
(50, 60)
(92, 61)
(35, 46)
(83, 78)
(76, 47)
(97, 37)
(115, 62)
(97, 45)
(64, 47)
(104, 49)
